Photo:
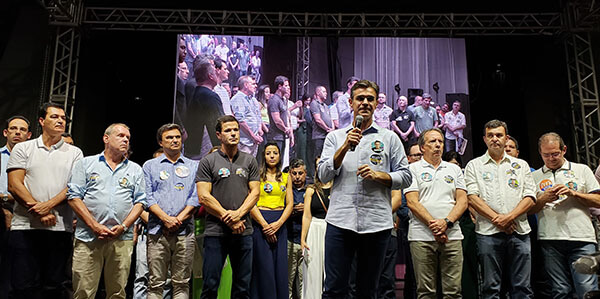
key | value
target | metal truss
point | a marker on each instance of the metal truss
(583, 15)
(583, 91)
(65, 15)
(302, 65)
(321, 24)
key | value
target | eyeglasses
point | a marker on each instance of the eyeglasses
(553, 155)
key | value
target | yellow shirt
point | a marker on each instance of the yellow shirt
(272, 194)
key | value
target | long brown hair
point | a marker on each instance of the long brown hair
(317, 185)
(263, 164)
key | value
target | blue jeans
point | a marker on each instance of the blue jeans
(498, 250)
(216, 249)
(341, 246)
(558, 259)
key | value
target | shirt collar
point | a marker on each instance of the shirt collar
(374, 128)
(102, 158)
(40, 143)
(4, 150)
(163, 158)
(489, 158)
(426, 164)
(566, 166)
(224, 155)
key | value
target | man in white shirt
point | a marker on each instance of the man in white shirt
(42, 227)
(501, 189)
(455, 122)
(565, 192)
(437, 198)
(345, 114)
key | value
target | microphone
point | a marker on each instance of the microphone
(357, 124)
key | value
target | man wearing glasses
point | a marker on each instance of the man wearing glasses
(565, 192)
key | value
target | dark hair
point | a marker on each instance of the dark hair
(548, 136)
(350, 79)
(305, 97)
(515, 141)
(167, 127)
(260, 94)
(364, 84)
(219, 63)
(452, 155)
(18, 117)
(203, 67)
(263, 163)
(295, 163)
(225, 119)
(494, 123)
(317, 185)
(44, 109)
(421, 140)
(280, 80)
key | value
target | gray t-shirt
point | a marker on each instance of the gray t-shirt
(229, 186)
(424, 119)
(277, 104)
(317, 107)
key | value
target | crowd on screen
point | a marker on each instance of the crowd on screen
(299, 199)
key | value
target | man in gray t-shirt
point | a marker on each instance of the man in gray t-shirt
(425, 116)
(279, 125)
(228, 187)
(322, 123)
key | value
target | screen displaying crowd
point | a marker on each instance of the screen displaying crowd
(277, 198)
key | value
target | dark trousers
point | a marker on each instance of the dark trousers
(410, 287)
(318, 147)
(4, 259)
(341, 246)
(387, 281)
(39, 261)
(216, 249)
(269, 267)
(281, 145)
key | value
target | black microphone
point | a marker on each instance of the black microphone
(357, 124)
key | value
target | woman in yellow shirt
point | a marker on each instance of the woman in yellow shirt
(269, 260)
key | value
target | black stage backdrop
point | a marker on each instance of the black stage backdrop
(124, 77)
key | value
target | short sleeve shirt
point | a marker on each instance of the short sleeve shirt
(455, 120)
(402, 119)
(277, 104)
(322, 109)
(229, 181)
(566, 218)
(437, 193)
(382, 116)
(47, 173)
(424, 119)
(501, 186)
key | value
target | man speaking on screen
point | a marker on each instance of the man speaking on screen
(365, 163)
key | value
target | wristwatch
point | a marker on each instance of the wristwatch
(449, 223)
(124, 227)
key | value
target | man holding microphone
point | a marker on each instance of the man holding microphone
(366, 162)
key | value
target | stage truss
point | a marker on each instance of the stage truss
(572, 25)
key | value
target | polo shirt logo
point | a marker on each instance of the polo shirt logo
(515, 165)
(487, 176)
(241, 172)
(377, 146)
(449, 179)
(426, 177)
(569, 174)
(545, 184)
(376, 159)
(224, 172)
(179, 186)
(94, 176)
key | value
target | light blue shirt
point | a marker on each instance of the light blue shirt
(4, 156)
(357, 204)
(171, 186)
(108, 195)
(247, 111)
